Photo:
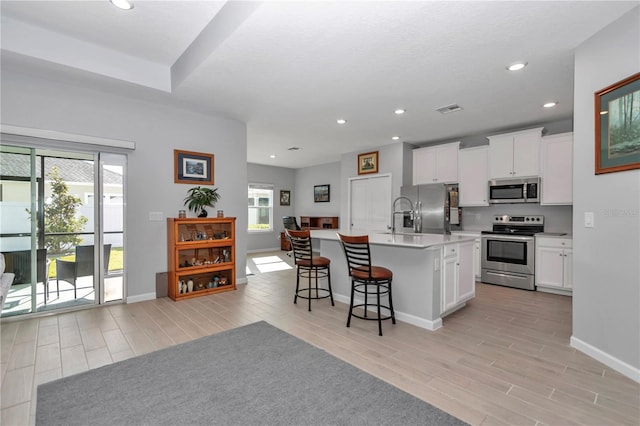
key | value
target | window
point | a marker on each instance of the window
(260, 207)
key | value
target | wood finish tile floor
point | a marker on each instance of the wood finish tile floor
(503, 359)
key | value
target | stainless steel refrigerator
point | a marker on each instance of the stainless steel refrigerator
(435, 209)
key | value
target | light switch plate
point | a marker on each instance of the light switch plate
(155, 216)
(588, 220)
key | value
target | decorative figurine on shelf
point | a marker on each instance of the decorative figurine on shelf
(198, 198)
(216, 281)
(210, 284)
(200, 286)
(180, 286)
(184, 287)
(190, 285)
(223, 281)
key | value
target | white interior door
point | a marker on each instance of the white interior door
(370, 202)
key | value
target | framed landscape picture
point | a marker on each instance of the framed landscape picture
(321, 193)
(368, 163)
(192, 167)
(617, 119)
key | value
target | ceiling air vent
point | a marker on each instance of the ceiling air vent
(449, 108)
(293, 148)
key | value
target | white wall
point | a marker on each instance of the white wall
(306, 179)
(283, 179)
(29, 101)
(606, 294)
(391, 159)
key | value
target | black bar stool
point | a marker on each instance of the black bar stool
(367, 279)
(309, 266)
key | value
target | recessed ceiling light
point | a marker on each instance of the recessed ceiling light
(395, 138)
(272, 156)
(550, 104)
(341, 121)
(517, 66)
(400, 111)
(122, 4)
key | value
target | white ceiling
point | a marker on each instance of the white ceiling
(290, 69)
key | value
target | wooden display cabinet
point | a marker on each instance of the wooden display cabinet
(202, 250)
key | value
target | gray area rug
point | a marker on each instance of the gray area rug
(252, 375)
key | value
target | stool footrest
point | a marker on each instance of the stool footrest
(317, 296)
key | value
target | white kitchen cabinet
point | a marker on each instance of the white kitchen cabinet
(516, 154)
(554, 265)
(436, 164)
(556, 169)
(458, 280)
(477, 251)
(473, 176)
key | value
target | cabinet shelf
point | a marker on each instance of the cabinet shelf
(202, 251)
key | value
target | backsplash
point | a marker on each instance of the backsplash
(556, 218)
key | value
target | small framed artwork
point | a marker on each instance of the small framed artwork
(285, 198)
(618, 126)
(321, 193)
(192, 167)
(368, 163)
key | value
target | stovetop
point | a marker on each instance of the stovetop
(517, 225)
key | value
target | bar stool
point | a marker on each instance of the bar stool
(367, 279)
(309, 266)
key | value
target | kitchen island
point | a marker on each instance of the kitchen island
(432, 273)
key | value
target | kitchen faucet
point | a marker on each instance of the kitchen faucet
(394, 212)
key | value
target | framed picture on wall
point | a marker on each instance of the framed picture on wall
(192, 167)
(368, 163)
(321, 193)
(285, 198)
(618, 126)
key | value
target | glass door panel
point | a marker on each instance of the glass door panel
(112, 177)
(52, 251)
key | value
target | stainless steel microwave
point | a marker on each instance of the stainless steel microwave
(524, 190)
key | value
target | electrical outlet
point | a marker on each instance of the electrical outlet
(588, 220)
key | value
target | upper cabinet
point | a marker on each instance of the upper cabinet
(515, 154)
(436, 164)
(556, 169)
(473, 176)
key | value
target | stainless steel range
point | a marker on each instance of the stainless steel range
(508, 251)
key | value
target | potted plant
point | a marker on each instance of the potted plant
(198, 198)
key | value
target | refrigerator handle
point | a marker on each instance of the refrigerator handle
(417, 220)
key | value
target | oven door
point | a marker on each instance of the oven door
(508, 253)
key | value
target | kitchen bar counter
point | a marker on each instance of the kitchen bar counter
(418, 241)
(418, 262)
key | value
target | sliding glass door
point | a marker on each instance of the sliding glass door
(62, 228)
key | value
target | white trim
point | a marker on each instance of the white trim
(242, 281)
(400, 316)
(63, 136)
(265, 250)
(620, 366)
(141, 297)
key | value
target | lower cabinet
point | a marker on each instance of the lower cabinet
(458, 278)
(477, 250)
(554, 265)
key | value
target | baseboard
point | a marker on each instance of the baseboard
(141, 297)
(620, 366)
(400, 316)
(264, 250)
(241, 280)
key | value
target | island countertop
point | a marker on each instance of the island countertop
(418, 241)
